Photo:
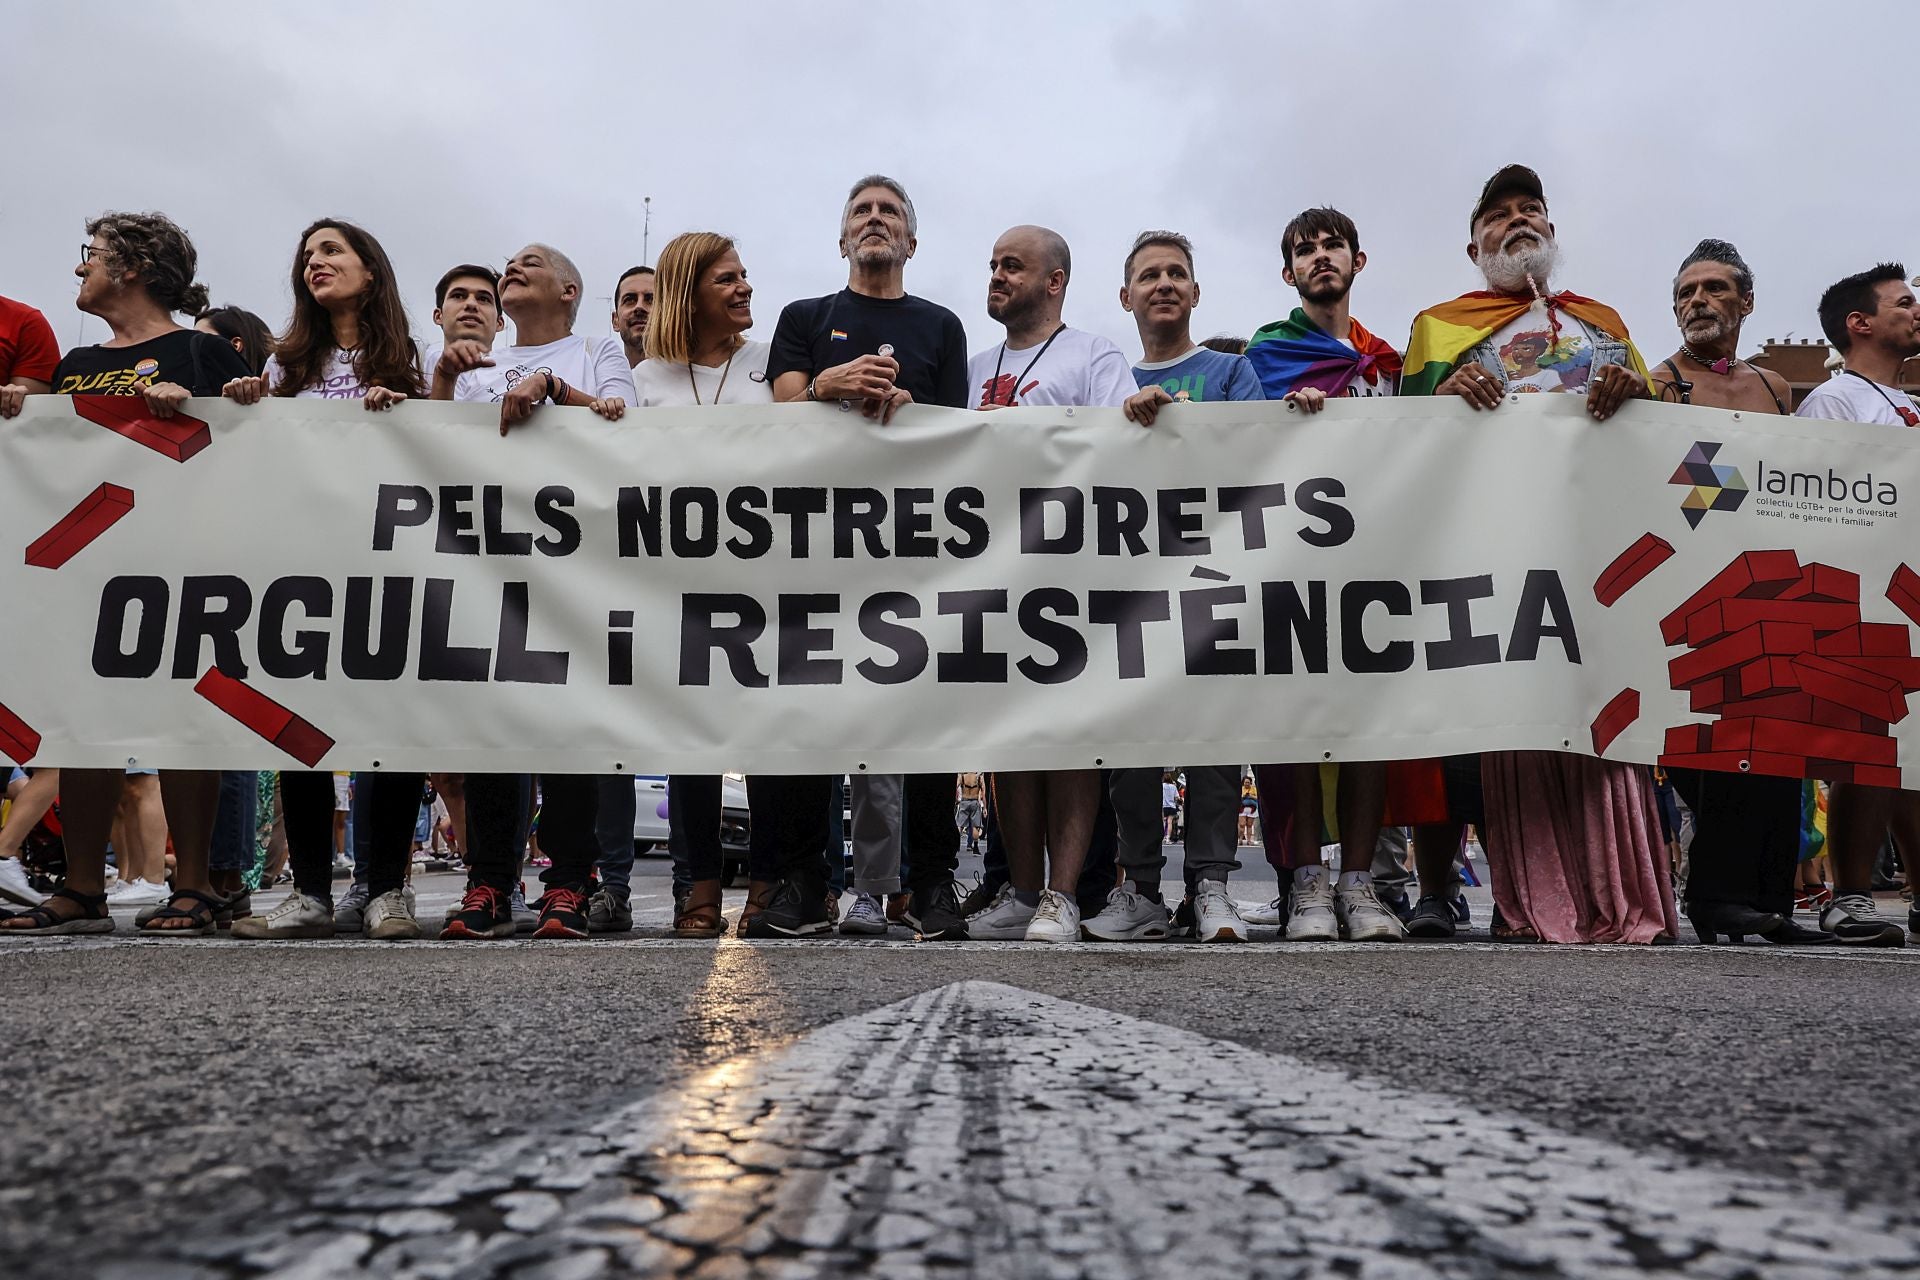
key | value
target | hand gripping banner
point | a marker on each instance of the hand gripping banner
(790, 588)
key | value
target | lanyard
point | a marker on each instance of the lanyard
(1907, 415)
(1024, 372)
(717, 391)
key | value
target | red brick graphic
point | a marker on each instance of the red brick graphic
(18, 741)
(1621, 710)
(1798, 684)
(264, 716)
(1904, 591)
(1754, 575)
(1648, 553)
(179, 437)
(97, 513)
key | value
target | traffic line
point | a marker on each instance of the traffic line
(978, 1128)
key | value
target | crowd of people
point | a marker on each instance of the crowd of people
(1579, 848)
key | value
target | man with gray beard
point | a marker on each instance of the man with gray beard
(1519, 335)
(1746, 844)
(1574, 841)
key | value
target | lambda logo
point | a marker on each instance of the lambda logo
(1709, 488)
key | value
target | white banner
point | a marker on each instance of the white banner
(793, 589)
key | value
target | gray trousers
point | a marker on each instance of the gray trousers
(1213, 822)
(875, 801)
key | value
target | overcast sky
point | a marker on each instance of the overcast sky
(458, 132)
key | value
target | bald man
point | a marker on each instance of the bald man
(1046, 818)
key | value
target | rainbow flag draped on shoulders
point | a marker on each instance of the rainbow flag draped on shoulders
(1295, 352)
(1443, 334)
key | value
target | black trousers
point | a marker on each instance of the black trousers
(307, 802)
(498, 805)
(1746, 838)
(789, 837)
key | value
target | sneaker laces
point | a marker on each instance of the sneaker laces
(1002, 896)
(1053, 906)
(1858, 906)
(481, 897)
(563, 898)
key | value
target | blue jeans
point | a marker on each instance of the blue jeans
(613, 828)
(235, 822)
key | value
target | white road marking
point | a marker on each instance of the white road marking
(981, 1129)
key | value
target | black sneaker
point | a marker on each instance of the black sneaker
(1913, 920)
(937, 914)
(563, 913)
(350, 909)
(1433, 917)
(1394, 898)
(1183, 926)
(1853, 918)
(1462, 914)
(483, 913)
(608, 911)
(795, 909)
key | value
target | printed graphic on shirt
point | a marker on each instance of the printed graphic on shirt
(1531, 355)
(110, 382)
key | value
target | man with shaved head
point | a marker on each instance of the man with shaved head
(541, 292)
(1046, 818)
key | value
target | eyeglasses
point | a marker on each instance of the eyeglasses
(89, 251)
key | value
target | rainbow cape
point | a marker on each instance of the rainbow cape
(1295, 352)
(1443, 334)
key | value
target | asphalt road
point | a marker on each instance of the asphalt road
(650, 1106)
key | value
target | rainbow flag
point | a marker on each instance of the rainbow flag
(1295, 352)
(1443, 334)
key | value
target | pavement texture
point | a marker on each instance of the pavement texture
(641, 1106)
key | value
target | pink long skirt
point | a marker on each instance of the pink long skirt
(1575, 848)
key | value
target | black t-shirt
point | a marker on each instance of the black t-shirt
(200, 362)
(928, 341)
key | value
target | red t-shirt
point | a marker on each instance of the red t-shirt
(27, 346)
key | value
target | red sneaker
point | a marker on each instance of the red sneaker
(485, 912)
(563, 914)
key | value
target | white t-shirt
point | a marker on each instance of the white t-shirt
(662, 385)
(337, 379)
(1080, 368)
(1527, 355)
(593, 366)
(1854, 397)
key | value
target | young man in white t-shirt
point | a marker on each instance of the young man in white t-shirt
(466, 307)
(1873, 321)
(1046, 817)
(540, 291)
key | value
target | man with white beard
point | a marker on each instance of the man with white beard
(1519, 335)
(1574, 841)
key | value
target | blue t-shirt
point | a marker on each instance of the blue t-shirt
(1203, 374)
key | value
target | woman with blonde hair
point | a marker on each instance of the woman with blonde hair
(698, 354)
(697, 349)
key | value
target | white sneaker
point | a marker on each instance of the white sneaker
(299, 916)
(1262, 912)
(1215, 918)
(140, 893)
(1056, 919)
(390, 918)
(1364, 918)
(1003, 919)
(866, 916)
(1128, 917)
(14, 885)
(1311, 918)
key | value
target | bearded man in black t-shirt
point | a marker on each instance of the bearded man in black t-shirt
(829, 350)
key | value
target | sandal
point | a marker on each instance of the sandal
(1500, 931)
(93, 917)
(200, 911)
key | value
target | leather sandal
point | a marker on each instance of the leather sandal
(697, 915)
(199, 910)
(758, 892)
(93, 918)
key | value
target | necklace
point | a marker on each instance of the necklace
(1014, 391)
(717, 391)
(1906, 414)
(1722, 366)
